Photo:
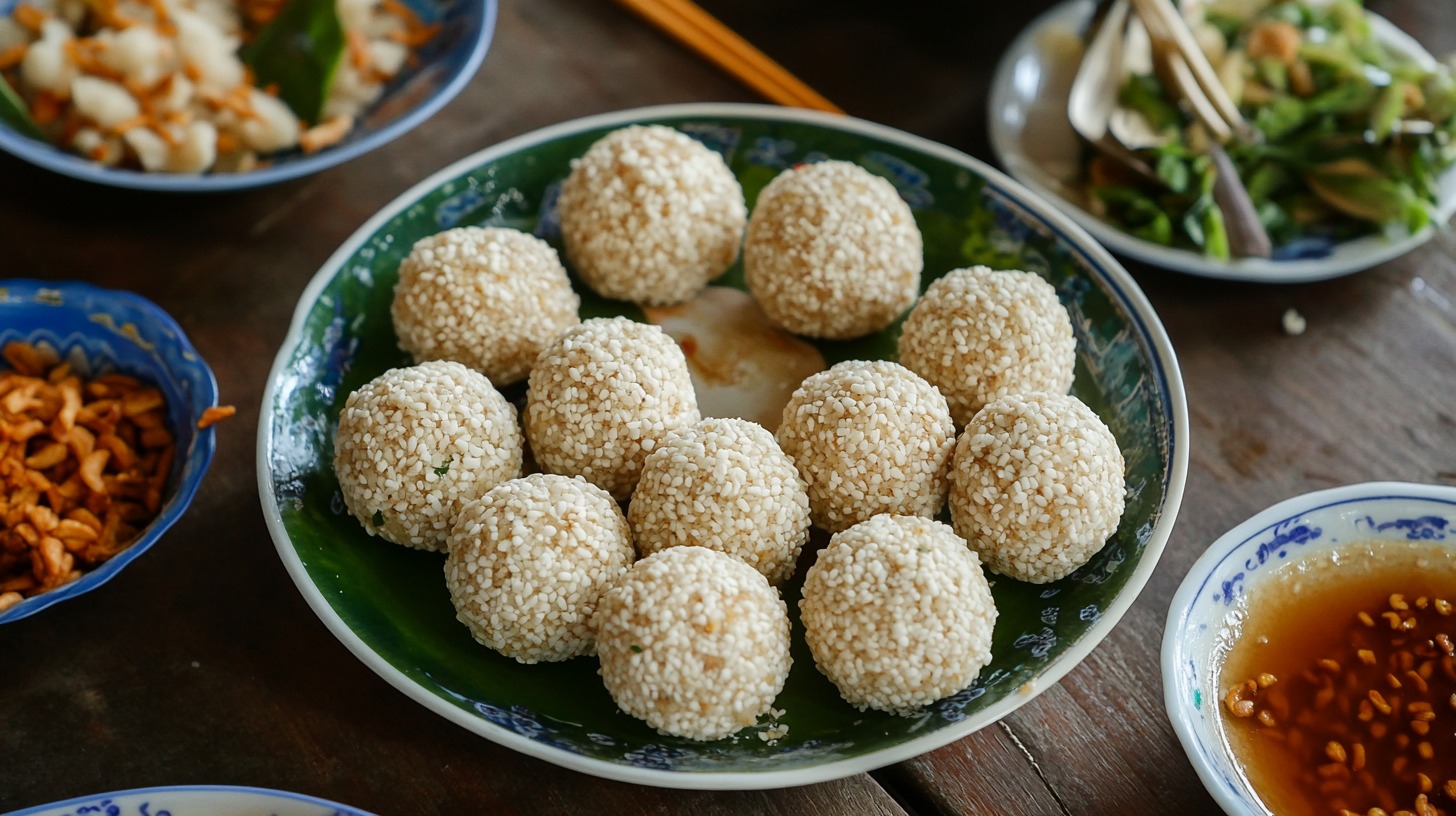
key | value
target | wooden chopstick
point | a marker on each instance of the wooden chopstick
(1165, 21)
(700, 31)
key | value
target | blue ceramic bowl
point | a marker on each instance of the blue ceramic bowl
(1235, 565)
(112, 331)
(194, 800)
(443, 67)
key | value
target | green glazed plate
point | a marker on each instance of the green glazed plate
(390, 607)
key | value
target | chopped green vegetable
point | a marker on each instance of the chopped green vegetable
(636, 649)
(14, 113)
(443, 469)
(1173, 170)
(299, 52)
(1143, 94)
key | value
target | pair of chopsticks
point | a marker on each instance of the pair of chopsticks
(703, 33)
(1190, 72)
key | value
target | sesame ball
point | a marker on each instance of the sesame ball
(723, 484)
(979, 334)
(1036, 485)
(489, 298)
(602, 396)
(898, 613)
(415, 444)
(832, 251)
(650, 215)
(694, 642)
(529, 562)
(868, 438)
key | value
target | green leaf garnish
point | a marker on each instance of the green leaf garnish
(14, 113)
(636, 649)
(299, 52)
(378, 519)
(443, 469)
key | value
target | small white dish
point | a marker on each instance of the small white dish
(1035, 143)
(1236, 564)
(194, 800)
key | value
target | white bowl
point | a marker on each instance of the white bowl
(194, 800)
(1236, 564)
(1034, 141)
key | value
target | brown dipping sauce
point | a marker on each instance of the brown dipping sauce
(1339, 686)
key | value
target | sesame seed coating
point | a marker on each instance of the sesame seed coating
(602, 396)
(868, 437)
(1037, 485)
(898, 613)
(694, 642)
(489, 298)
(723, 484)
(529, 562)
(415, 444)
(650, 215)
(832, 251)
(978, 334)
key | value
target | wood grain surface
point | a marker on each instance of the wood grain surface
(202, 664)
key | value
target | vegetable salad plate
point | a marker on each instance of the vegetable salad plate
(1034, 141)
(435, 71)
(389, 604)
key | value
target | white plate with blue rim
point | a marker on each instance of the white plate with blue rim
(194, 800)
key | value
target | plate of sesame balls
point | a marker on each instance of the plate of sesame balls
(722, 446)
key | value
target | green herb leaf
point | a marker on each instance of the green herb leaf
(14, 113)
(1358, 189)
(443, 469)
(1173, 171)
(299, 52)
(378, 519)
(1144, 94)
(636, 649)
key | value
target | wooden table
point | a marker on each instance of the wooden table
(202, 664)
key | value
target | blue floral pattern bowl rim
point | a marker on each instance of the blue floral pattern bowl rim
(189, 477)
(1175, 699)
(266, 793)
(50, 157)
(1122, 286)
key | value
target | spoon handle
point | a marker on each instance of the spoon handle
(1246, 234)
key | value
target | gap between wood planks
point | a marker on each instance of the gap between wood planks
(916, 801)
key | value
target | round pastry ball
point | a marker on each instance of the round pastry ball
(602, 396)
(723, 484)
(868, 438)
(694, 642)
(650, 215)
(898, 613)
(1037, 485)
(978, 334)
(529, 562)
(489, 298)
(416, 444)
(832, 251)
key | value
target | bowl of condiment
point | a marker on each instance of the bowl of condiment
(230, 96)
(104, 414)
(1308, 662)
